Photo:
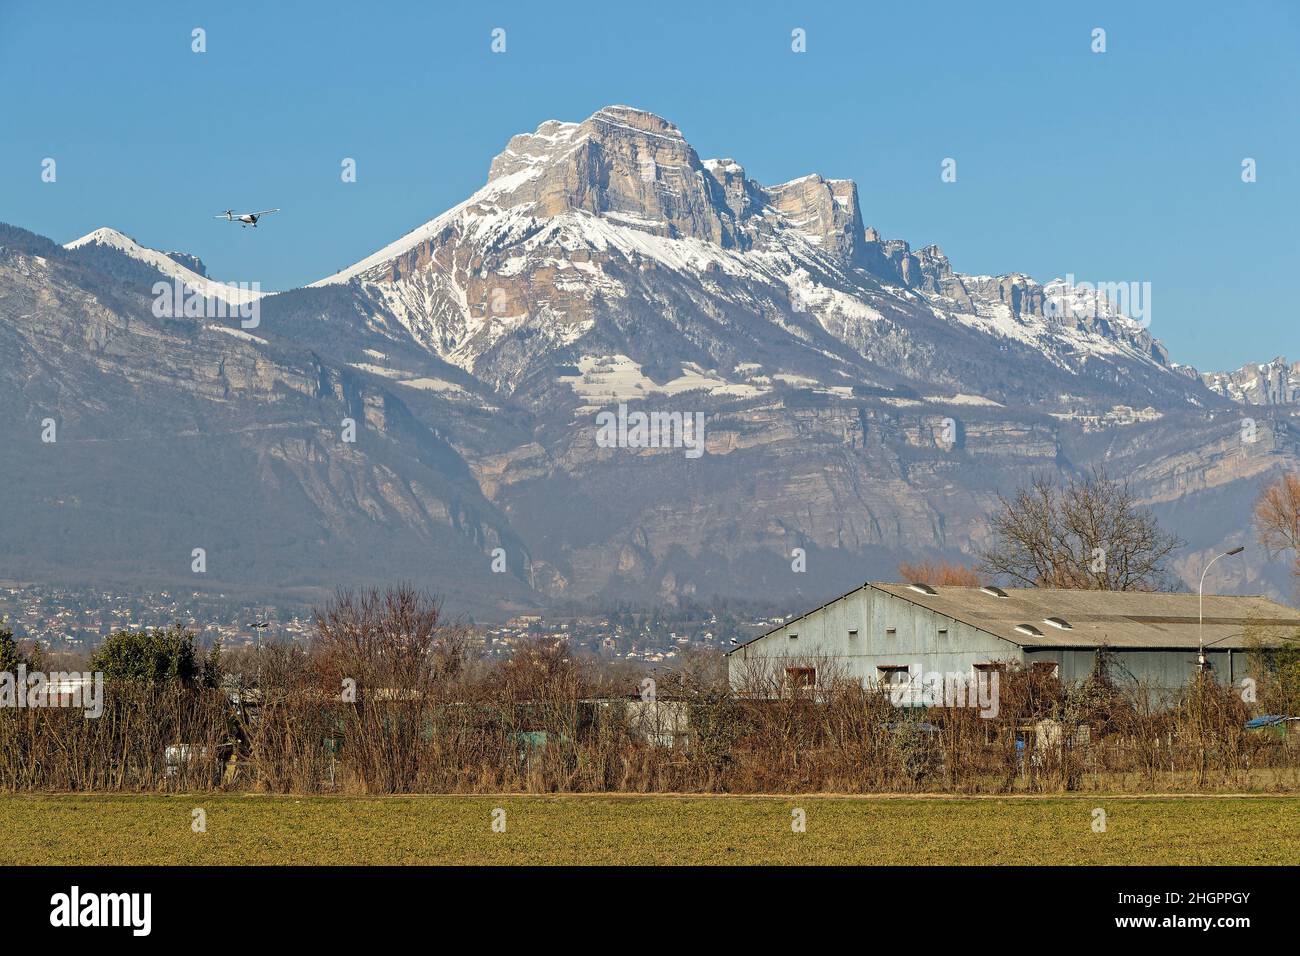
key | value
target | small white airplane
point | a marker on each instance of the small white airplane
(245, 219)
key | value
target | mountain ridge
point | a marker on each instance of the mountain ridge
(624, 192)
(170, 264)
(864, 401)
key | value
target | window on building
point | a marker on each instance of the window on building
(801, 678)
(891, 631)
(892, 674)
(794, 637)
(1046, 668)
(943, 632)
(853, 632)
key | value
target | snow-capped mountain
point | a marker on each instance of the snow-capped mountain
(1269, 383)
(863, 400)
(610, 240)
(179, 266)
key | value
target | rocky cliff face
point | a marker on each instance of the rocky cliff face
(133, 440)
(611, 237)
(862, 400)
(1272, 383)
(637, 170)
(622, 164)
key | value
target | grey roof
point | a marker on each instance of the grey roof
(1119, 619)
(1132, 619)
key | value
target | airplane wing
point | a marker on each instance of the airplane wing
(266, 212)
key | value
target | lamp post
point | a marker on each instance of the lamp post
(1200, 606)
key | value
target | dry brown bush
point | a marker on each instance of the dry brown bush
(939, 573)
(430, 716)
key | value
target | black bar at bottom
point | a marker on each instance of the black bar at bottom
(234, 906)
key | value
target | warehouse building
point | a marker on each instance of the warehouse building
(894, 633)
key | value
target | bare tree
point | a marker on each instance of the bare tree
(1087, 534)
(1277, 518)
(394, 638)
(388, 657)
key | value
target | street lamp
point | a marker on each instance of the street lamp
(1200, 603)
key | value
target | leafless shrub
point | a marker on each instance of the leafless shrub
(939, 573)
(428, 715)
(148, 738)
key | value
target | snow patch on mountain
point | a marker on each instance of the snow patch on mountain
(609, 379)
(491, 192)
(376, 370)
(963, 399)
(168, 266)
(433, 385)
(1268, 383)
(237, 333)
(1063, 343)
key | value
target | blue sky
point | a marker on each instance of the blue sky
(1122, 166)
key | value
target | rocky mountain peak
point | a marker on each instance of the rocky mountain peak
(105, 236)
(588, 231)
(1264, 383)
(191, 262)
(184, 267)
(825, 211)
(637, 170)
(629, 117)
(624, 164)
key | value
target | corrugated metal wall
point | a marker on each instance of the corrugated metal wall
(917, 641)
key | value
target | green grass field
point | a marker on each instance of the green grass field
(646, 830)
